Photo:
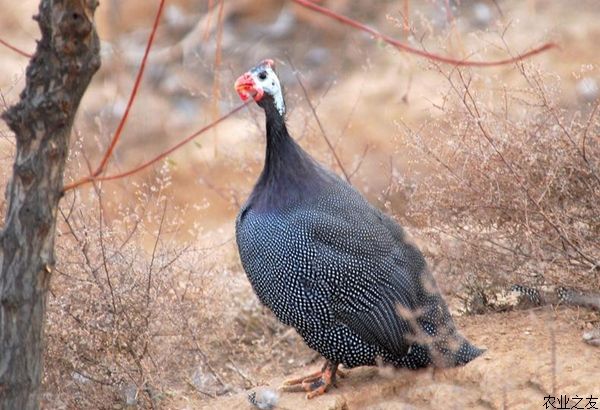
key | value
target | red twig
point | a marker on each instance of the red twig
(160, 156)
(132, 96)
(15, 49)
(403, 47)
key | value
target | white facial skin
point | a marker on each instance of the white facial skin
(265, 78)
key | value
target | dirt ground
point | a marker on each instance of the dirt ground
(530, 355)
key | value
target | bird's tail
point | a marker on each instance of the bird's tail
(452, 350)
(466, 353)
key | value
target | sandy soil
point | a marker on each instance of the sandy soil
(517, 371)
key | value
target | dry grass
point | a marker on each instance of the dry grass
(120, 319)
(514, 185)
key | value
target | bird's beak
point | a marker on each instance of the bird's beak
(246, 88)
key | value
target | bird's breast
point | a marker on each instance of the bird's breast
(275, 254)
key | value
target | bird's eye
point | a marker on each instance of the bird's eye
(263, 75)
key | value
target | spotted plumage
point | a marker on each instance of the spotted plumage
(334, 267)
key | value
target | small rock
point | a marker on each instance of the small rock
(592, 337)
(130, 393)
(264, 399)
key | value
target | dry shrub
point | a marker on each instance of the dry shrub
(123, 318)
(513, 190)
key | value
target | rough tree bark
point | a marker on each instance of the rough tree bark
(66, 58)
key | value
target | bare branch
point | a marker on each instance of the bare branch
(132, 96)
(430, 56)
(15, 49)
(314, 112)
(158, 157)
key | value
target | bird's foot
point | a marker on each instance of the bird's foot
(315, 384)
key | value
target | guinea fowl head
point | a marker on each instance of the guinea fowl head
(262, 84)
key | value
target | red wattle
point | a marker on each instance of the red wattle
(246, 87)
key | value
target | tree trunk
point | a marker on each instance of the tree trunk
(66, 58)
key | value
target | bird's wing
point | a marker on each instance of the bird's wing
(372, 274)
(379, 322)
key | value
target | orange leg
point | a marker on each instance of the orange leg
(315, 384)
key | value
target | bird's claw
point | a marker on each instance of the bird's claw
(301, 380)
(315, 384)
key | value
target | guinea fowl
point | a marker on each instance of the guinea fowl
(334, 267)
